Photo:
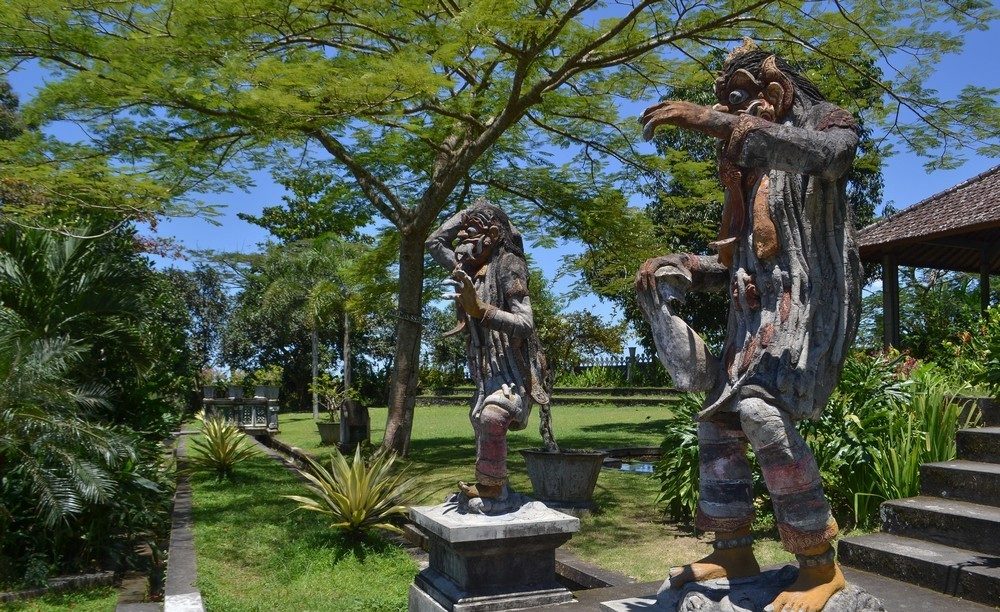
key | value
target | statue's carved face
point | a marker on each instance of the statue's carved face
(767, 95)
(476, 242)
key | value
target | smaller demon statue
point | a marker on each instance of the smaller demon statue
(788, 259)
(485, 255)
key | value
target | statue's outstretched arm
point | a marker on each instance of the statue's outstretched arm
(826, 153)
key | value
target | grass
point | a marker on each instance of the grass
(255, 552)
(626, 534)
(98, 599)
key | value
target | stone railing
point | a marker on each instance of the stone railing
(253, 415)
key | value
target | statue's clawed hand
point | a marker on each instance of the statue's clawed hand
(673, 266)
(686, 115)
(465, 293)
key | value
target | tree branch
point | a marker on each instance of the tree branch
(377, 192)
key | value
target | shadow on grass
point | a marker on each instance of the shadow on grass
(649, 427)
(442, 451)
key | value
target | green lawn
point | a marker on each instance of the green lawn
(626, 534)
(99, 599)
(255, 552)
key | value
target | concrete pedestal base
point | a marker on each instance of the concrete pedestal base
(481, 563)
(739, 595)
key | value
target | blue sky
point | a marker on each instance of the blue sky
(906, 182)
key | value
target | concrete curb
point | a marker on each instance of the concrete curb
(60, 584)
(180, 594)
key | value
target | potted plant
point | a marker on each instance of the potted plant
(562, 478)
(332, 397)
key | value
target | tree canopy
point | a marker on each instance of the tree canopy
(419, 105)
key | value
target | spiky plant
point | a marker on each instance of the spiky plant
(356, 495)
(222, 448)
(677, 470)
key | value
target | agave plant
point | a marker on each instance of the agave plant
(223, 447)
(356, 495)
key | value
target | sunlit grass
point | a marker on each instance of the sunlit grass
(256, 552)
(627, 533)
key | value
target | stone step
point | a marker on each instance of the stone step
(973, 481)
(988, 408)
(953, 571)
(979, 444)
(946, 521)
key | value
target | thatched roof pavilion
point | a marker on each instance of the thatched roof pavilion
(957, 229)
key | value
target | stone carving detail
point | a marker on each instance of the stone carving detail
(787, 255)
(485, 255)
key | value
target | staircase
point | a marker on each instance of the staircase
(947, 538)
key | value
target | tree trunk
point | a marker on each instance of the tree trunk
(408, 327)
(315, 372)
(347, 351)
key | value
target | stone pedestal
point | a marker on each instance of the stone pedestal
(481, 563)
(739, 595)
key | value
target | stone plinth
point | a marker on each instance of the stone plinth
(741, 595)
(481, 563)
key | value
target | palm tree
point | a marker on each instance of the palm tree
(316, 280)
(61, 300)
(47, 450)
(56, 286)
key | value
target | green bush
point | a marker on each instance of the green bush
(357, 496)
(677, 469)
(438, 380)
(973, 355)
(94, 370)
(597, 377)
(922, 431)
(223, 447)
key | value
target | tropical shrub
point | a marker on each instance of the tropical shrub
(358, 495)
(596, 377)
(94, 371)
(975, 356)
(677, 469)
(74, 494)
(222, 447)
(922, 431)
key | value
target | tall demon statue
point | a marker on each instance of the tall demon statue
(491, 277)
(787, 256)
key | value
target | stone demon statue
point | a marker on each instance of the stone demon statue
(485, 255)
(787, 256)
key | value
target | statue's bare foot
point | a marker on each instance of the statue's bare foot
(811, 590)
(481, 490)
(737, 562)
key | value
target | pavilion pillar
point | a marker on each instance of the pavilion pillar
(890, 301)
(984, 278)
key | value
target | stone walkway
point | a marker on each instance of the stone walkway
(181, 594)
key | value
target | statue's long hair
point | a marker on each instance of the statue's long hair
(751, 62)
